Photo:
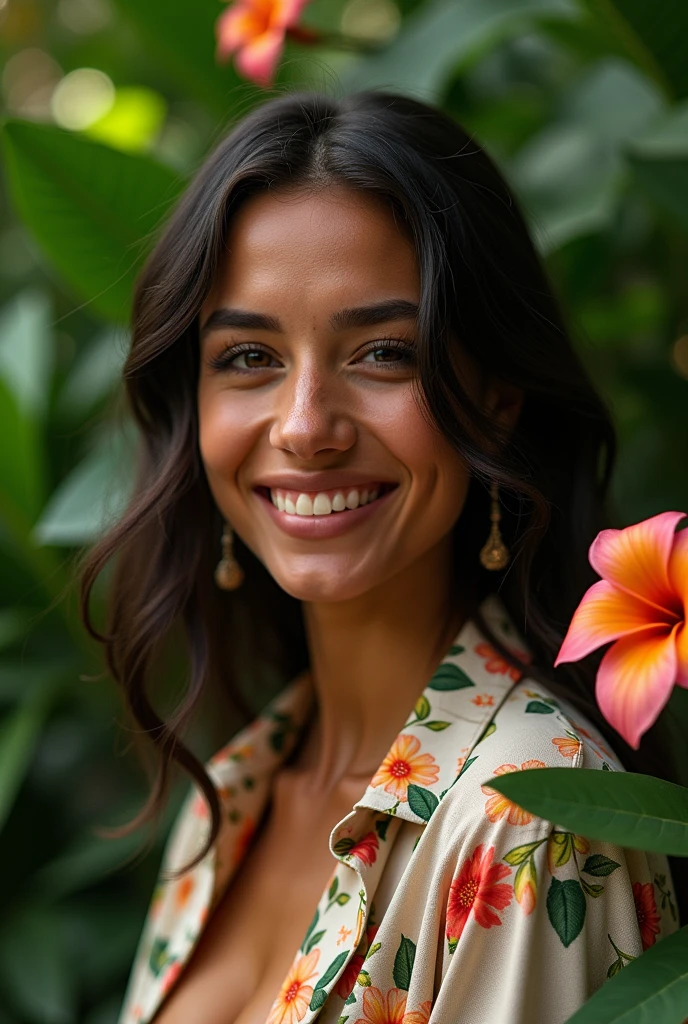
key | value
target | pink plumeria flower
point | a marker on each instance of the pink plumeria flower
(641, 603)
(255, 31)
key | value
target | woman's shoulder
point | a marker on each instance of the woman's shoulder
(531, 728)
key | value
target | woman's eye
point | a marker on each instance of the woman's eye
(395, 354)
(253, 359)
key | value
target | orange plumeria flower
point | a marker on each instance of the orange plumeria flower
(640, 603)
(295, 995)
(498, 807)
(419, 1016)
(404, 766)
(255, 31)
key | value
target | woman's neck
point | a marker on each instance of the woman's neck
(370, 659)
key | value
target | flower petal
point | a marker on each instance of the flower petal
(682, 655)
(234, 28)
(635, 680)
(257, 60)
(286, 12)
(637, 558)
(606, 613)
(678, 568)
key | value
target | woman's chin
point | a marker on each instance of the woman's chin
(323, 584)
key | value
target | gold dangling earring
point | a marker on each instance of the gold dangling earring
(495, 554)
(228, 573)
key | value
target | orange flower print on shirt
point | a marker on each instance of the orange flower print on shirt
(646, 912)
(171, 975)
(381, 1008)
(498, 807)
(295, 995)
(568, 746)
(498, 665)
(183, 891)
(478, 889)
(419, 1016)
(483, 700)
(404, 766)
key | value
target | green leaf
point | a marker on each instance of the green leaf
(20, 730)
(562, 844)
(422, 708)
(436, 726)
(466, 765)
(22, 464)
(536, 707)
(492, 727)
(157, 958)
(342, 846)
(26, 350)
(624, 808)
(32, 947)
(381, 826)
(455, 649)
(403, 963)
(182, 38)
(318, 999)
(333, 888)
(653, 989)
(313, 941)
(92, 209)
(566, 909)
(331, 972)
(343, 898)
(91, 496)
(590, 889)
(311, 929)
(453, 33)
(599, 866)
(520, 853)
(450, 677)
(422, 802)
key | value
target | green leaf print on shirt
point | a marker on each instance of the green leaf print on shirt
(566, 909)
(450, 677)
(319, 996)
(158, 958)
(599, 866)
(538, 707)
(422, 802)
(403, 963)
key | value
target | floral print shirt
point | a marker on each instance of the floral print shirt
(447, 904)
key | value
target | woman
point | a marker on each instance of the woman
(346, 351)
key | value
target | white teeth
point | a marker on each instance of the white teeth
(322, 506)
(304, 505)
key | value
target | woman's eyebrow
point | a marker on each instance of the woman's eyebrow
(344, 319)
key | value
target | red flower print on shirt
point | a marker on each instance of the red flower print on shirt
(404, 766)
(498, 665)
(171, 975)
(498, 807)
(366, 849)
(381, 1008)
(295, 995)
(477, 890)
(345, 985)
(646, 912)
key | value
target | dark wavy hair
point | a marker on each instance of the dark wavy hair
(483, 292)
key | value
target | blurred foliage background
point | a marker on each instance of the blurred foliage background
(109, 105)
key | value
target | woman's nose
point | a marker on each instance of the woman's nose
(311, 416)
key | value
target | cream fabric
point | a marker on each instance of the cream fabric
(447, 904)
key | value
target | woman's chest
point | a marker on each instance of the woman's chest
(248, 944)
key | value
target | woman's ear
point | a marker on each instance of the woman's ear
(503, 402)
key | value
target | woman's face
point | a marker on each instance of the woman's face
(311, 435)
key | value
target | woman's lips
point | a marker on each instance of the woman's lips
(317, 527)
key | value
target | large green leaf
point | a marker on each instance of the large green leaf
(631, 810)
(653, 35)
(26, 350)
(22, 469)
(650, 990)
(442, 36)
(35, 968)
(91, 208)
(90, 497)
(20, 730)
(182, 37)
(659, 158)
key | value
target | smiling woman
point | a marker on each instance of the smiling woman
(347, 362)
